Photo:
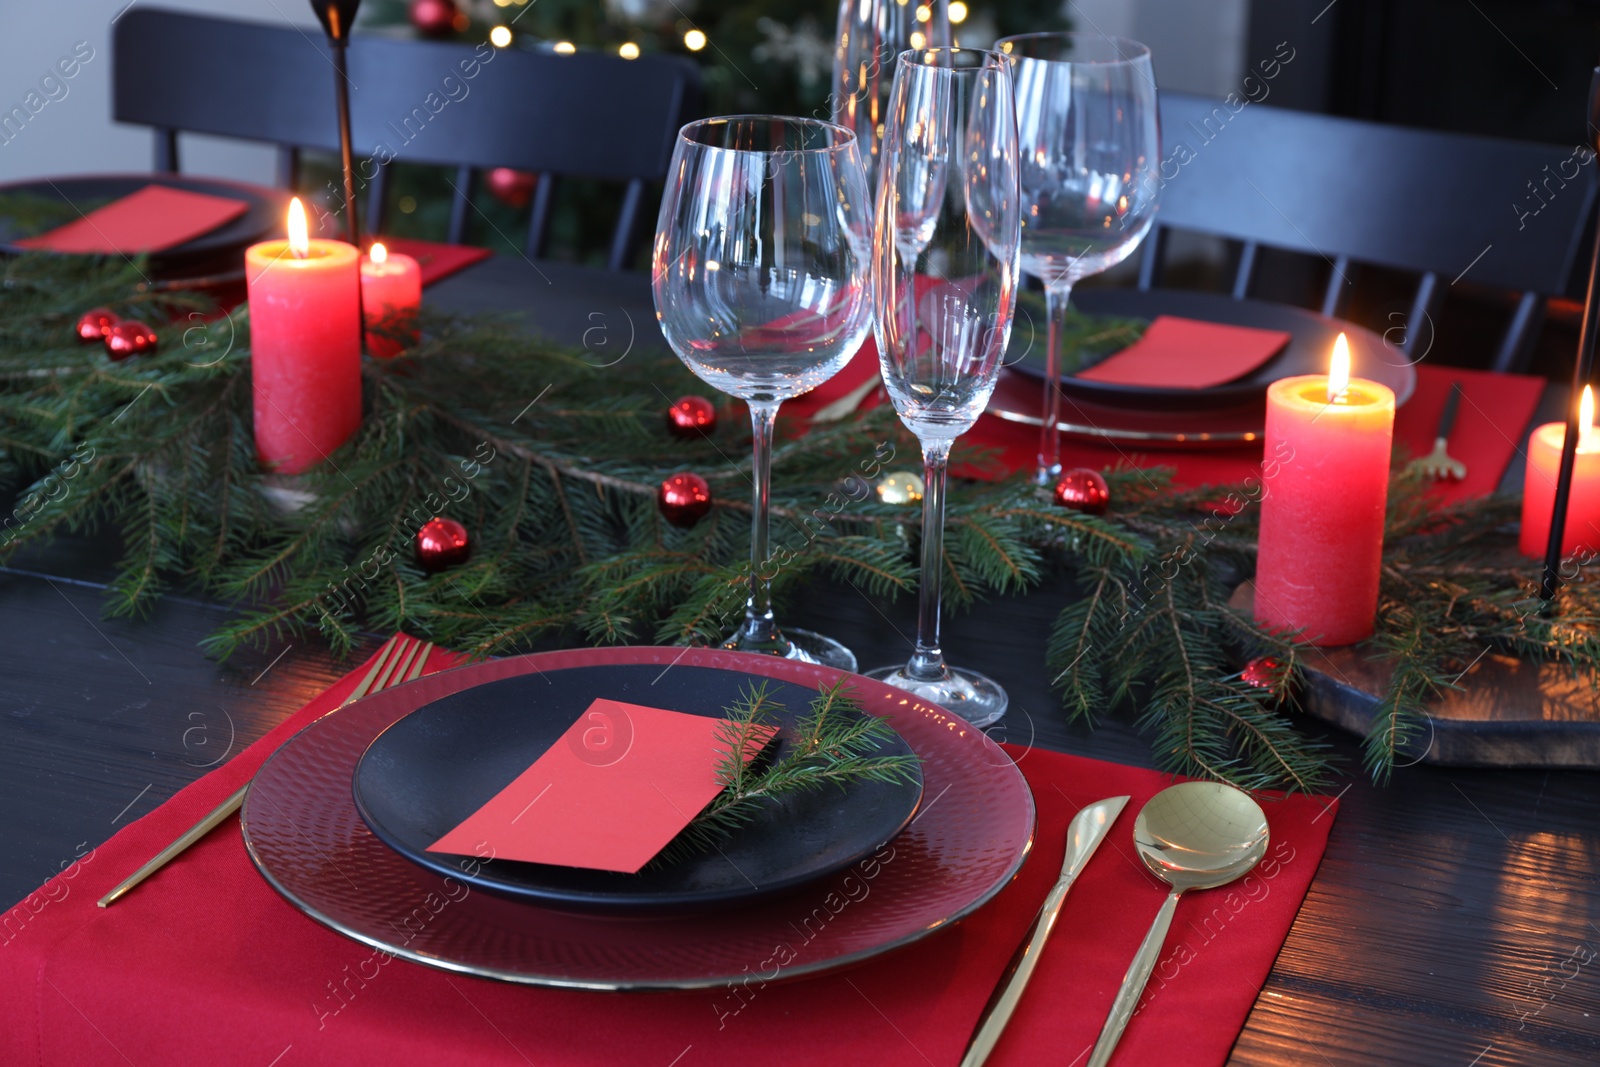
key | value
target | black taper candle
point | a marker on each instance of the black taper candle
(336, 17)
(1582, 368)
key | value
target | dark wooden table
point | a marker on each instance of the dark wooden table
(1455, 920)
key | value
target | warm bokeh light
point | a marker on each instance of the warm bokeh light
(694, 40)
(924, 12)
(500, 36)
(628, 50)
(917, 39)
(958, 12)
(299, 237)
(1339, 370)
(378, 254)
(565, 48)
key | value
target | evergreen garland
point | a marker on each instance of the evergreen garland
(553, 462)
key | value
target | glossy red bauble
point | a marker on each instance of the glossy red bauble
(691, 416)
(1083, 490)
(129, 338)
(513, 187)
(442, 543)
(437, 18)
(684, 499)
(95, 324)
(1263, 672)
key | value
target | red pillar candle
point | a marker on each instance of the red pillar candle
(1325, 488)
(305, 346)
(391, 294)
(1581, 535)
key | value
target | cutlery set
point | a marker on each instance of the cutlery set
(1195, 835)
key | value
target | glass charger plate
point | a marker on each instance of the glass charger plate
(304, 834)
(431, 770)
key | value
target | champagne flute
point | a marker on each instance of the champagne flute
(944, 273)
(872, 33)
(1087, 123)
(761, 278)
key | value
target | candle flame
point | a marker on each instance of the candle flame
(379, 254)
(1339, 370)
(1586, 420)
(299, 241)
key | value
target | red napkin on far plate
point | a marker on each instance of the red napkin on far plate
(155, 218)
(1178, 353)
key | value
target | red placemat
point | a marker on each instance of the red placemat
(1494, 412)
(155, 218)
(437, 260)
(206, 964)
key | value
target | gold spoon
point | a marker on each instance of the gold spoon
(1198, 835)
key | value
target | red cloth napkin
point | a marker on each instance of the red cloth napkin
(1494, 412)
(1178, 353)
(436, 259)
(156, 217)
(206, 964)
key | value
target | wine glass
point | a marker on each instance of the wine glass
(1087, 123)
(761, 277)
(872, 33)
(944, 272)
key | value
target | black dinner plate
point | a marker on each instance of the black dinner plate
(215, 250)
(1311, 338)
(430, 770)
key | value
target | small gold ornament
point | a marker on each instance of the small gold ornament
(900, 487)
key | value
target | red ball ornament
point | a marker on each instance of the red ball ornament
(437, 18)
(129, 338)
(513, 187)
(1083, 490)
(442, 543)
(684, 499)
(691, 416)
(1263, 672)
(95, 324)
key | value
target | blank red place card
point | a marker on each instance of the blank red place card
(1179, 353)
(621, 783)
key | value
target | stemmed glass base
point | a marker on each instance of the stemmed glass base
(802, 645)
(973, 696)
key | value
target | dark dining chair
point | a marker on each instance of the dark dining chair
(1507, 215)
(472, 107)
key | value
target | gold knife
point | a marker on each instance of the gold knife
(1087, 830)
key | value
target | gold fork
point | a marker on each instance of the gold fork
(1439, 463)
(399, 660)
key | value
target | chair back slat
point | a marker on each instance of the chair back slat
(1341, 279)
(469, 106)
(1151, 255)
(544, 194)
(1420, 319)
(1518, 340)
(461, 190)
(1245, 275)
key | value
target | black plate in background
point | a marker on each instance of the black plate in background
(425, 774)
(1311, 338)
(219, 250)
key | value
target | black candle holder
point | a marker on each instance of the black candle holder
(336, 17)
(1582, 369)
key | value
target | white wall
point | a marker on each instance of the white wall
(74, 134)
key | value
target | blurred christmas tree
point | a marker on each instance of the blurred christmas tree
(771, 56)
